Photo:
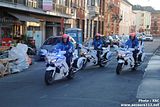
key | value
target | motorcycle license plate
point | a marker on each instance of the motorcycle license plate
(120, 61)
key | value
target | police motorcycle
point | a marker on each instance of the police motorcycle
(90, 58)
(57, 67)
(141, 53)
(125, 58)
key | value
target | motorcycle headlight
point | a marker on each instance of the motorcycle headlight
(121, 55)
(53, 61)
(83, 53)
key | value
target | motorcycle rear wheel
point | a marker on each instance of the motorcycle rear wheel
(71, 74)
(102, 64)
(119, 68)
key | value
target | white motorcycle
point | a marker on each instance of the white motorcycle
(89, 56)
(141, 54)
(125, 59)
(57, 67)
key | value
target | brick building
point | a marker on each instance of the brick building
(112, 17)
(155, 23)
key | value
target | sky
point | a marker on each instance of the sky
(154, 3)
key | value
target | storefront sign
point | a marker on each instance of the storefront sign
(48, 5)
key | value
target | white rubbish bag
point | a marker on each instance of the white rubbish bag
(20, 53)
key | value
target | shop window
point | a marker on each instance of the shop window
(30, 28)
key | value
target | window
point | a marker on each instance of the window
(67, 3)
(142, 14)
(99, 2)
(32, 3)
(79, 3)
(62, 2)
(87, 28)
(88, 2)
(92, 2)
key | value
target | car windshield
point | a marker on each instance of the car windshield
(52, 41)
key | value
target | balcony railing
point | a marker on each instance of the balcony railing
(37, 4)
(14, 1)
(57, 8)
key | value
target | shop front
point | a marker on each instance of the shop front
(10, 28)
(34, 34)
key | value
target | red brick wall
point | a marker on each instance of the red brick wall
(114, 10)
(155, 24)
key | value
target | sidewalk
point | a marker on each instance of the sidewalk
(150, 86)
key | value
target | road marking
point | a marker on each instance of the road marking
(148, 53)
(44, 96)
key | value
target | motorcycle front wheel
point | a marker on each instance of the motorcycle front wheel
(102, 64)
(119, 68)
(49, 77)
(71, 74)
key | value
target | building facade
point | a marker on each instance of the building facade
(36, 19)
(127, 24)
(94, 18)
(79, 21)
(133, 22)
(155, 25)
(143, 21)
(112, 17)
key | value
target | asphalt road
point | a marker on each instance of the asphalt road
(92, 87)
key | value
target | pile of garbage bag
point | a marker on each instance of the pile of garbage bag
(19, 53)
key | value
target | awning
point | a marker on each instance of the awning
(24, 17)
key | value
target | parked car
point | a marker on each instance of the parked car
(140, 36)
(148, 37)
(49, 45)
